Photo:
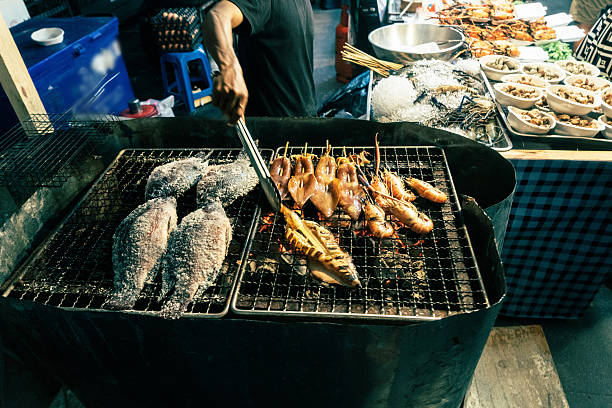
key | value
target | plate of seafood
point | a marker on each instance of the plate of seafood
(439, 94)
(533, 104)
(493, 28)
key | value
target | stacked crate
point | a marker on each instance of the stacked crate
(177, 29)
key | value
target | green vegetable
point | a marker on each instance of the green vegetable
(558, 50)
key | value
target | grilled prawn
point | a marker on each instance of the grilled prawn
(395, 185)
(426, 190)
(411, 217)
(303, 183)
(375, 218)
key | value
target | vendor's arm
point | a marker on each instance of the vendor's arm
(229, 91)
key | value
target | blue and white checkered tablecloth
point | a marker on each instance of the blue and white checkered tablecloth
(558, 245)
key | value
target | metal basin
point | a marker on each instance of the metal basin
(391, 42)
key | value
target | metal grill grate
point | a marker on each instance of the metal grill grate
(73, 268)
(413, 277)
(40, 151)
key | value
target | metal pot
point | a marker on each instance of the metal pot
(392, 42)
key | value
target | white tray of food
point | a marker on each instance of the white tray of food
(550, 100)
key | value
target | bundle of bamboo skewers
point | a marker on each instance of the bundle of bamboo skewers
(356, 56)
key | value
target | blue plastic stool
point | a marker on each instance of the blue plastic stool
(188, 67)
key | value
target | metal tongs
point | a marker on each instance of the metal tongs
(259, 165)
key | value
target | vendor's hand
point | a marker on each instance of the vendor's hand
(230, 93)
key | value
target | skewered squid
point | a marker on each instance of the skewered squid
(329, 262)
(350, 193)
(280, 171)
(325, 197)
(303, 183)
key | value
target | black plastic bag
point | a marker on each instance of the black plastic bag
(350, 101)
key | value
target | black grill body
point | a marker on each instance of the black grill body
(115, 359)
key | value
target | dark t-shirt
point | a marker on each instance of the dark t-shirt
(275, 51)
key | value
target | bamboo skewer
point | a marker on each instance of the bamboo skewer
(356, 56)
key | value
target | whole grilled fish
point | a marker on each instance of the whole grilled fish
(174, 178)
(227, 182)
(139, 243)
(195, 254)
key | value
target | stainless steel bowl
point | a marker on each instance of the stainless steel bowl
(390, 42)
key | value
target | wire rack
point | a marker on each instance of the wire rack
(73, 267)
(40, 152)
(419, 277)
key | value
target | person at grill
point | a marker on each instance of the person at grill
(273, 71)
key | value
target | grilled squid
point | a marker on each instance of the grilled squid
(426, 190)
(328, 262)
(280, 171)
(395, 185)
(375, 218)
(350, 192)
(303, 183)
(325, 197)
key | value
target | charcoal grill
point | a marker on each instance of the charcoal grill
(109, 358)
(411, 276)
(73, 268)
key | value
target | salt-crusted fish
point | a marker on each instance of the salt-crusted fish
(174, 178)
(195, 254)
(139, 243)
(227, 182)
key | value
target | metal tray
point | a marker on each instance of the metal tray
(503, 113)
(72, 268)
(500, 142)
(407, 278)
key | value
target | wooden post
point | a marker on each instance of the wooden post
(15, 78)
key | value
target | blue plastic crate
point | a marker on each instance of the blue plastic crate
(83, 74)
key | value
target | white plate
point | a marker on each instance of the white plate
(607, 129)
(523, 126)
(48, 36)
(529, 11)
(558, 20)
(532, 54)
(510, 100)
(562, 105)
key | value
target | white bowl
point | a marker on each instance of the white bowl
(523, 126)
(607, 129)
(562, 105)
(48, 36)
(592, 69)
(497, 74)
(567, 129)
(510, 100)
(549, 67)
(534, 80)
(600, 83)
(606, 109)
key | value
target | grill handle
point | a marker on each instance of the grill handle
(259, 165)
